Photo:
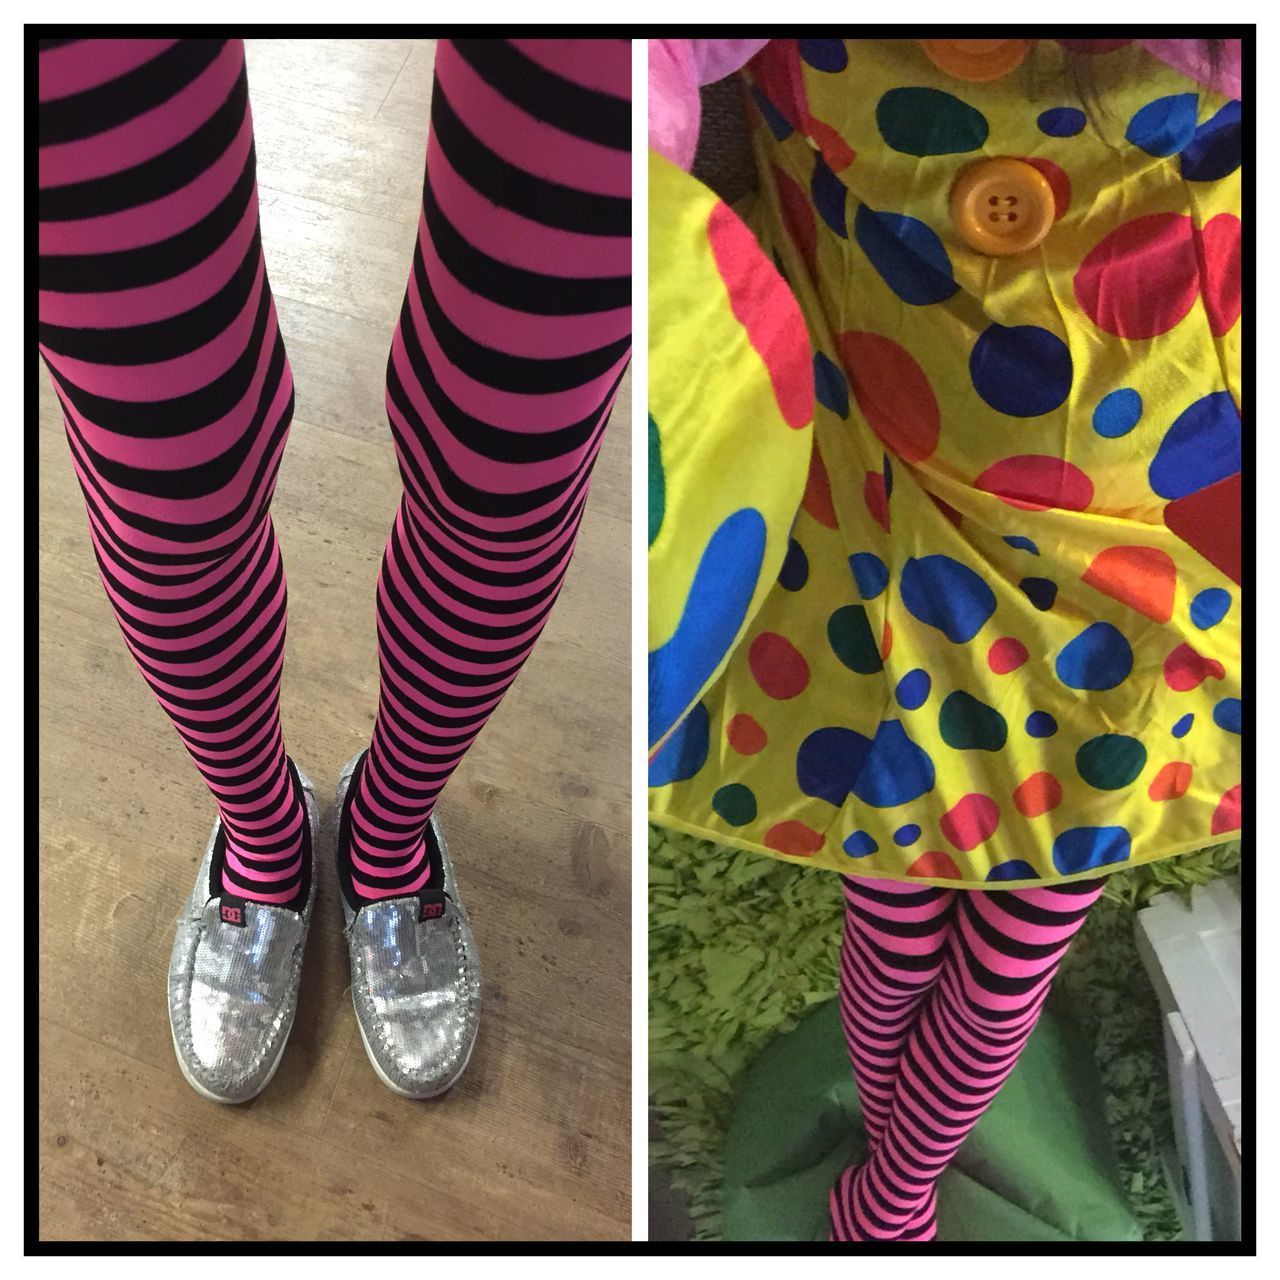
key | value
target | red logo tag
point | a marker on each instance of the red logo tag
(231, 915)
(432, 910)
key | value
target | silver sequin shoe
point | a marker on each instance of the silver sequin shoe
(233, 980)
(415, 975)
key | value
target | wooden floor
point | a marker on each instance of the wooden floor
(534, 1141)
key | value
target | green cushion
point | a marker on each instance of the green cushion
(1038, 1166)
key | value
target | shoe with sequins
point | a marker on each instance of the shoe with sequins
(415, 975)
(234, 975)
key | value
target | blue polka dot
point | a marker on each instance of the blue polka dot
(685, 752)
(829, 761)
(907, 255)
(906, 836)
(1117, 414)
(1183, 726)
(1040, 724)
(1215, 150)
(829, 385)
(1019, 543)
(1014, 869)
(1164, 126)
(869, 573)
(795, 568)
(896, 771)
(888, 477)
(1021, 370)
(778, 124)
(1040, 591)
(714, 612)
(824, 55)
(1098, 658)
(1210, 607)
(913, 689)
(883, 772)
(1228, 715)
(946, 594)
(1083, 848)
(1201, 448)
(859, 844)
(829, 195)
(1061, 122)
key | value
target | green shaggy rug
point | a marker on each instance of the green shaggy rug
(740, 946)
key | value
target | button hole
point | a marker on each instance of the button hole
(993, 199)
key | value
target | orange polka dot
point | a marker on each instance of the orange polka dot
(936, 865)
(1144, 578)
(893, 392)
(1040, 793)
(817, 493)
(1171, 782)
(795, 838)
(886, 640)
(746, 735)
(835, 150)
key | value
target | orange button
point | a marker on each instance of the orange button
(1002, 206)
(976, 59)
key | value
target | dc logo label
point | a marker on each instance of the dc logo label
(231, 915)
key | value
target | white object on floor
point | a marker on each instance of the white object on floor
(1191, 952)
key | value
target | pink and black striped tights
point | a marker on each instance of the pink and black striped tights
(940, 990)
(159, 331)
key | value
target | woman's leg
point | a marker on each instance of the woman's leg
(513, 337)
(159, 332)
(1005, 948)
(895, 940)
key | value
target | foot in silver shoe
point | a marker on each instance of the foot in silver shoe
(233, 988)
(415, 976)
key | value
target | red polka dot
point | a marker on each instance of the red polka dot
(798, 217)
(1219, 245)
(1142, 278)
(1039, 794)
(1210, 521)
(893, 393)
(778, 666)
(1185, 669)
(1226, 817)
(745, 734)
(767, 309)
(1171, 782)
(795, 838)
(1035, 482)
(835, 150)
(817, 492)
(1057, 180)
(947, 510)
(886, 640)
(1144, 578)
(970, 821)
(936, 865)
(1007, 654)
(877, 499)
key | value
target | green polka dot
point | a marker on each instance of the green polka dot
(969, 725)
(850, 635)
(735, 804)
(657, 483)
(1111, 761)
(928, 122)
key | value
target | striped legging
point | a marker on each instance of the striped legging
(939, 993)
(159, 331)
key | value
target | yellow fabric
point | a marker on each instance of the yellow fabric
(1113, 773)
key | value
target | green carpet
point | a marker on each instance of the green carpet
(741, 945)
